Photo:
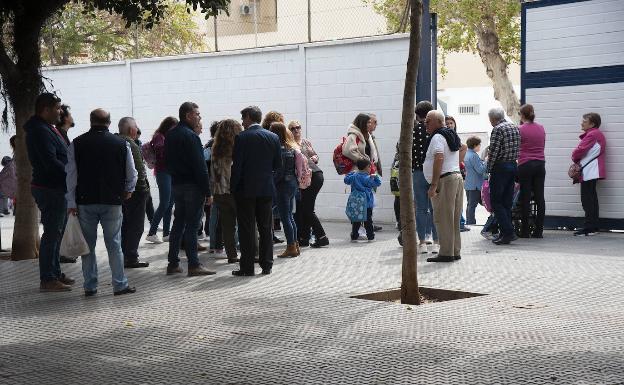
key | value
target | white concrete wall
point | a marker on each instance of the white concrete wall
(324, 85)
(575, 35)
(560, 110)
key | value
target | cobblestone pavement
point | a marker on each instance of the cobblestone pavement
(554, 314)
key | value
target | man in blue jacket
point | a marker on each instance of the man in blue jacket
(185, 161)
(47, 152)
(257, 154)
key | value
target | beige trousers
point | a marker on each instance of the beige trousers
(447, 210)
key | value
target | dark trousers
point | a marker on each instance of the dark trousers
(189, 203)
(133, 225)
(368, 225)
(252, 211)
(502, 180)
(149, 207)
(53, 209)
(227, 217)
(474, 198)
(306, 218)
(397, 210)
(589, 200)
(531, 176)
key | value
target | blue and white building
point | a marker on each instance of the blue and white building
(573, 63)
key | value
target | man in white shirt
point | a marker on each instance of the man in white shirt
(441, 170)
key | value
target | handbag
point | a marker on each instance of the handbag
(73, 243)
(575, 171)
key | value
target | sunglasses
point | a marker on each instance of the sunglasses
(295, 128)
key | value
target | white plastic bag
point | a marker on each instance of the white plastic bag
(73, 243)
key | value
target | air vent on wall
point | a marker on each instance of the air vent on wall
(468, 109)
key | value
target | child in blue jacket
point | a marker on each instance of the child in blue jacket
(360, 203)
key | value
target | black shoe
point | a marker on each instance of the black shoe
(457, 257)
(277, 240)
(524, 235)
(127, 290)
(266, 271)
(90, 293)
(537, 235)
(304, 242)
(400, 239)
(320, 242)
(377, 228)
(64, 259)
(135, 265)
(464, 229)
(240, 273)
(441, 258)
(585, 232)
(505, 239)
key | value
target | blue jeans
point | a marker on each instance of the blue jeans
(213, 227)
(474, 197)
(53, 209)
(502, 180)
(110, 216)
(286, 191)
(189, 206)
(424, 210)
(165, 204)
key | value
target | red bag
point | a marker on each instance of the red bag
(342, 164)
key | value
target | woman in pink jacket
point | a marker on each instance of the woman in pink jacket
(590, 155)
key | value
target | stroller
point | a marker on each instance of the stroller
(491, 226)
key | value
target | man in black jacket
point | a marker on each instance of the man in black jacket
(185, 161)
(100, 176)
(47, 152)
(257, 154)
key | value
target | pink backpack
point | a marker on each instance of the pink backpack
(305, 179)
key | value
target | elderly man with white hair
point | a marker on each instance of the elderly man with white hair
(502, 166)
(441, 170)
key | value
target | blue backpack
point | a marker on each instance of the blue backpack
(357, 206)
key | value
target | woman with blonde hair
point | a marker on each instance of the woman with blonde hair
(220, 173)
(306, 218)
(286, 185)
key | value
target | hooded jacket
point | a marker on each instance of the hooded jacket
(354, 147)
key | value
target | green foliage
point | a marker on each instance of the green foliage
(78, 33)
(460, 20)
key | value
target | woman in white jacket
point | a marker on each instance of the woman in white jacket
(359, 143)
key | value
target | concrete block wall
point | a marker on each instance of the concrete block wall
(323, 85)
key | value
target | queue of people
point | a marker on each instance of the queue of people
(250, 173)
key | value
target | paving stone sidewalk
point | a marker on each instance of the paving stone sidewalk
(554, 314)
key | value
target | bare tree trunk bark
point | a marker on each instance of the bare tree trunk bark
(26, 228)
(496, 68)
(409, 277)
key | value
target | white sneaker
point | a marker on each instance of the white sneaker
(154, 239)
(165, 238)
(422, 248)
(434, 249)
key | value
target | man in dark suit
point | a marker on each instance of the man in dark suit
(257, 153)
(47, 152)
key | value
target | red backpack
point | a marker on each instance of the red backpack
(343, 164)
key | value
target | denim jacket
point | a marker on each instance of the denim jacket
(476, 169)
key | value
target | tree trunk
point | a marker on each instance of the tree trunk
(496, 68)
(409, 277)
(26, 228)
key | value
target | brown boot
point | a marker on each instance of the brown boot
(53, 286)
(290, 252)
(298, 248)
(199, 270)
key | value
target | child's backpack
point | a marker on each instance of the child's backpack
(342, 164)
(357, 206)
(394, 177)
(305, 179)
(149, 155)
